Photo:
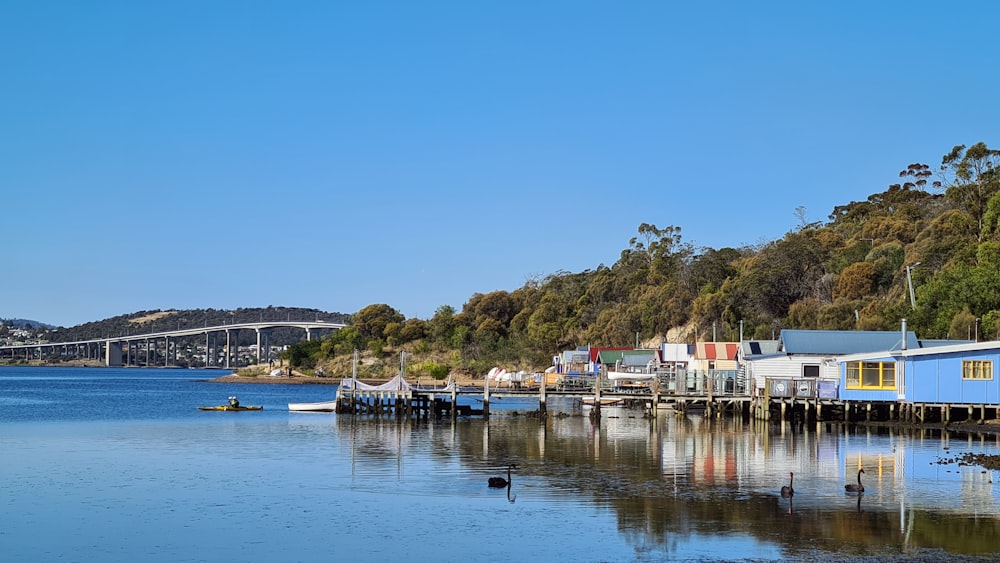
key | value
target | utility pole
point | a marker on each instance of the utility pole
(909, 283)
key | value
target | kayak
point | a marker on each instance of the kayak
(230, 408)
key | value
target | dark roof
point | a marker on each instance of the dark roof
(838, 342)
(752, 348)
(627, 357)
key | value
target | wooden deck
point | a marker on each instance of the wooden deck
(425, 403)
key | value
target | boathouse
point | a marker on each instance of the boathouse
(805, 364)
(636, 361)
(676, 355)
(936, 374)
(714, 369)
(574, 362)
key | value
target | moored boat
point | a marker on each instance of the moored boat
(323, 406)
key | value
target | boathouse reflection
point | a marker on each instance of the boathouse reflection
(688, 475)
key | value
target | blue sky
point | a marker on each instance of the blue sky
(331, 155)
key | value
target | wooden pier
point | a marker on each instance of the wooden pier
(401, 403)
(429, 402)
(442, 403)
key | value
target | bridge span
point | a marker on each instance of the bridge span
(161, 347)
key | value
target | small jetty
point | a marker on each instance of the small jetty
(399, 398)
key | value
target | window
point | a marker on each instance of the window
(977, 369)
(871, 375)
(810, 371)
(853, 375)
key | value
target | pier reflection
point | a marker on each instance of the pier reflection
(682, 477)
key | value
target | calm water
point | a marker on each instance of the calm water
(118, 464)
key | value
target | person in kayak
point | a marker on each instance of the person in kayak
(234, 402)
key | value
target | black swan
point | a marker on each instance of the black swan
(787, 490)
(859, 488)
(500, 482)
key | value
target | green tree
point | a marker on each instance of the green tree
(492, 312)
(949, 237)
(855, 282)
(372, 320)
(662, 249)
(974, 178)
(303, 354)
(963, 325)
(841, 315)
(782, 273)
(413, 330)
(710, 268)
(804, 313)
(442, 324)
(545, 327)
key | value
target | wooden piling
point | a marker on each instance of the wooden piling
(654, 406)
(486, 397)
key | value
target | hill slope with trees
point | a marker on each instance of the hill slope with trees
(941, 226)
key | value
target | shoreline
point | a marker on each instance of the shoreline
(300, 379)
(294, 379)
(989, 427)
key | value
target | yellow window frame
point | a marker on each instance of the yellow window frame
(871, 375)
(977, 370)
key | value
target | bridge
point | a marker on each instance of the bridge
(117, 351)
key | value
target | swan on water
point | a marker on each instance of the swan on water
(500, 482)
(859, 488)
(787, 490)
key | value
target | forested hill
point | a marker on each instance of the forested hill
(160, 321)
(937, 230)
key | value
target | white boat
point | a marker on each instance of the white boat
(323, 406)
(632, 375)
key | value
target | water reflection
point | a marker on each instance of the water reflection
(673, 479)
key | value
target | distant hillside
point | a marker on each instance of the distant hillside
(25, 323)
(161, 321)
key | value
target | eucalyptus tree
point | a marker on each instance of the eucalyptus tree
(783, 272)
(372, 320)
(973, 178)
(442, 324)
(709, 268)
(662, 250)
(489, 314)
